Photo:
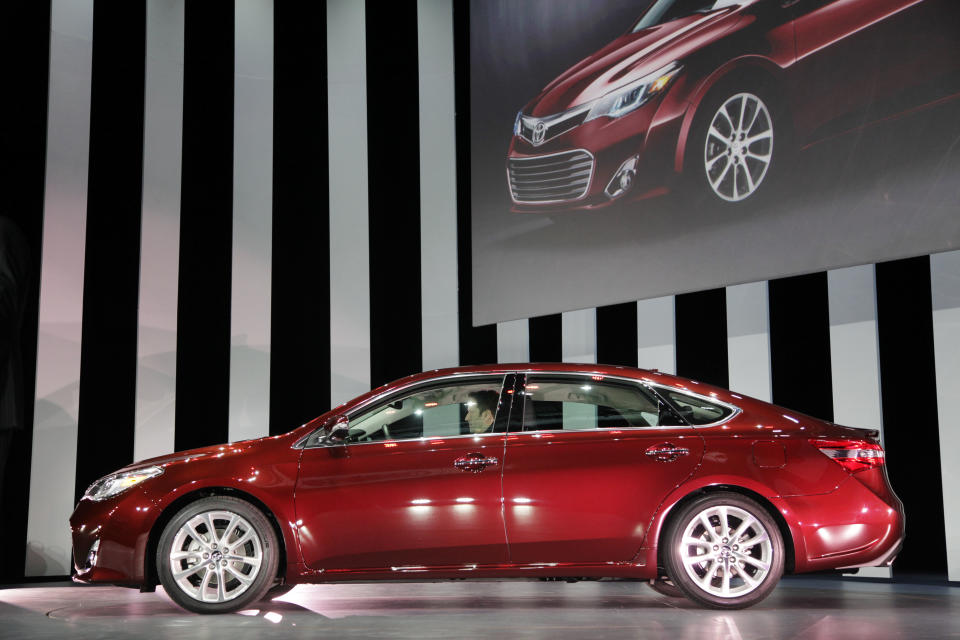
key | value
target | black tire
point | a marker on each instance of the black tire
(665, 587)
(731, 161)
(238, 582)
(736, 572)
(277, 590)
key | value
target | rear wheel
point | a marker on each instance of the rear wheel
(724, 551)
(217, 555)
(278, 590)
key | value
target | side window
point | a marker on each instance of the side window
(696, 410)
(574, 403)
(437, 411)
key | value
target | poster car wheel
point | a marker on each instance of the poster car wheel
(738, 145)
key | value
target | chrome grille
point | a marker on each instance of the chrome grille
(553, 125)
(554, 178)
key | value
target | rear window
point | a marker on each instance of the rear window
(696, 410)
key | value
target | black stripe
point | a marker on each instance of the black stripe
(393, 142)
(909, 394)
(478, 345)
(617, 334)
(111, 276)
(546, 338)
(206, 226)
(24, 37)
(800, 372)
(701, 335)
(300, 325)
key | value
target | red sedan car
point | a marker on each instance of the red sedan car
(716, 91)
(543, 471)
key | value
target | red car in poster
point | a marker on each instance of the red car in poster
(504, 471)
(719, 92)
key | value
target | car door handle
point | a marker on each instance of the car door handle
(475, 462)
(666, 452)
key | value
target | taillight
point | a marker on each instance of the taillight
(852, 455)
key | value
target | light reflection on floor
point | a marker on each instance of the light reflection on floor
(799, 608)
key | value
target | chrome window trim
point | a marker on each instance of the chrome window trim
(586, 191)
(421, 439)
(301, 443)
(735, 410)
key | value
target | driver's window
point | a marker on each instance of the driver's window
(449, 410)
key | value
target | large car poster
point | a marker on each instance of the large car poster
(628, 150)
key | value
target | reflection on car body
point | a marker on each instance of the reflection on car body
(580, 471)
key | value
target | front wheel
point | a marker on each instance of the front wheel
(217, 555)
(737, 147)
(724, 551)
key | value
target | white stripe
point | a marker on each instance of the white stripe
(349, 213)
(945, 287)
(513, 341)
(53, 468)
(252, 220)
(438, 180)
(854, 356)
(657, 334)
(160, 231)
(579, 335)
(748, 339)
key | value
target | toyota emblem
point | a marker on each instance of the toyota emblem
(538, 132)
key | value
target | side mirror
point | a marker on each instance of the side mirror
(338, 431)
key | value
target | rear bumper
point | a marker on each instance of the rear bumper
(846, 528)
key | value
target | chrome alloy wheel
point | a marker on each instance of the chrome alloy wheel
(215, 556)
(726, 551)
(739, 147)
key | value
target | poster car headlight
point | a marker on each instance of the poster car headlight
(634, 95)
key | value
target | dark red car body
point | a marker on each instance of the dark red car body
(830, 66)
(580, 503)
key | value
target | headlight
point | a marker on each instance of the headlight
(634, 95)
(116, 483)
(516, 123)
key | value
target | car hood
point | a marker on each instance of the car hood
(219, 451)
(628, 58)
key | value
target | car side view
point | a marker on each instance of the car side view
(710, 97)
(527, 471)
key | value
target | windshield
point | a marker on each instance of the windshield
(666, 10)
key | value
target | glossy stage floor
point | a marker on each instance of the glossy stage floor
(824, 609)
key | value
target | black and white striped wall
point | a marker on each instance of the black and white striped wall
(243, 213)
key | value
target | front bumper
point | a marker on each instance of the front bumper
(652, 135)
(122, 525)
